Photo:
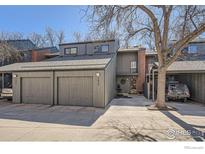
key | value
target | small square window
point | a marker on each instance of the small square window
(67, 51)
(104, 48)
(192, 49)
(73, 51)
(70, 51)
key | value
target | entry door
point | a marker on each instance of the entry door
(75, 91)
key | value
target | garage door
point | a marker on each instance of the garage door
(36, 90)
(75, 91)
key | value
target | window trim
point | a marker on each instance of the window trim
(70, 51)
(133, 68)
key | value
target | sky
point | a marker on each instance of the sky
(28, 19)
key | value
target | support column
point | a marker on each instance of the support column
(2, 81)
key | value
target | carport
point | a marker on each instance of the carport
(79, 82)
(191, 73)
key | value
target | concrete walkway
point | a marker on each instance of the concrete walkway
(124, 119)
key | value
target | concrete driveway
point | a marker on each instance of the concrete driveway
(124, 119)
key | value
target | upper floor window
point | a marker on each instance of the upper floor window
(192, 49)
(105, 48)
(70, 51)
(133, 67)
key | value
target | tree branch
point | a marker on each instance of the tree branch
(157, 33)
(178, 46)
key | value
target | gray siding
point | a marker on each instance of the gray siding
(89, 48)
(90, 89)
(110, 81)
(124, 62)
(196, 84)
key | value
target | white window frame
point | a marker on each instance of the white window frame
(133, 66)
(70, 52)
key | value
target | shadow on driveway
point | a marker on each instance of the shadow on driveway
(67, 115)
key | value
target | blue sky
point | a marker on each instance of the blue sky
(27, 19)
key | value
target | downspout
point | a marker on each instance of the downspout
(53, 88)
(153, 85)
(2, 81)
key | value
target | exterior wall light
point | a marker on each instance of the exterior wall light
(14, 75)
(97, 74)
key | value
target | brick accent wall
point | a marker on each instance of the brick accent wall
(38, 56)
(141, 71)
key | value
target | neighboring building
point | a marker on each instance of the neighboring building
(84, 74)
(24, 46)
(40, 54)
(195, 50)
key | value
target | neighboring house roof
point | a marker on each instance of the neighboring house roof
(133, 49)
(75, 64)
(85, 42)
(21, 45)
(51, 49)
(186, 67)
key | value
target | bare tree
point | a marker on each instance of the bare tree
(159, 23)
(11, 36)
(52, 37)
(8, 54)
(61, 37)
(49, 38)
(37, 39)
(77, 37)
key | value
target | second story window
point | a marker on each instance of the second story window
(105, 48)
(70, 51)
(133, 67)
(192, 49)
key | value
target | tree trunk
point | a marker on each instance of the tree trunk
(160, 102)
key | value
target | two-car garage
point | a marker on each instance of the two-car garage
(72, 82)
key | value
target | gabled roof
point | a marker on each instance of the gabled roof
(75, 64)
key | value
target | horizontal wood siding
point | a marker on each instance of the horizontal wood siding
(124, 62)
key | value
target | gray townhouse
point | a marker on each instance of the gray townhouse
(88, 73)
(84, 74)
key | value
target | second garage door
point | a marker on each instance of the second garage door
(75, 91)
(36, 90)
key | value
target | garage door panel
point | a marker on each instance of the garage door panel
(36, 90)
(75, 91)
